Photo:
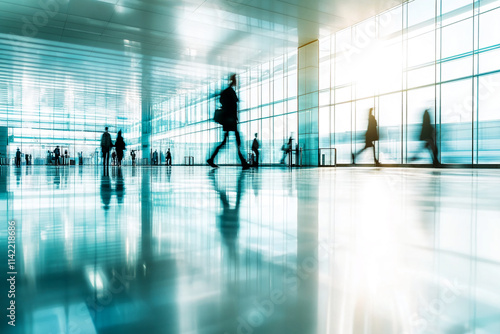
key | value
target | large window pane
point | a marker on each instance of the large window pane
(343, 132)
(451, 45)
(455, 69)
(421, 49)
(390, 115)
(420, 11)
(324, 127)
(489, 26)
(456, 10)
(456, 122)
(488, 122)
(489, 61)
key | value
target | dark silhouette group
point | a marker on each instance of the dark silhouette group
(428, 134)
(107, 144)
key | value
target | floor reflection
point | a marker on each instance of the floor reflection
(188, 250)
(228, 221)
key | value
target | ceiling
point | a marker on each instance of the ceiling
(158, 48)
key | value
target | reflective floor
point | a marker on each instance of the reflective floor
(190, 250)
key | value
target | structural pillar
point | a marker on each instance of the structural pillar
(308, 101)
(146, 130)
(146, 113)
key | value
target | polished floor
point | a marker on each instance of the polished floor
(275, 250)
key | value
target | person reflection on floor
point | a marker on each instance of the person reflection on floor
(428, 135)
(105, 191)
(228, 221)
(120, 186)
(17, 172)
(169, 174)
(57, 179)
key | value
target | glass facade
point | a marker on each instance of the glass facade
(441, 55)
(268, 106)
(68, 107)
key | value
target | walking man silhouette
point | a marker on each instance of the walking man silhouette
(229, 102)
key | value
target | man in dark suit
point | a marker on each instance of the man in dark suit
(229, 102)
(255, 149)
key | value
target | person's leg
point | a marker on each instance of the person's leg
(238, 144)
(212, 157)
(282, 161)
(375, 156)
(256, 163)
(355, 154)
(434, 152)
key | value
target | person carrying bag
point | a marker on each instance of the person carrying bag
(228, 118)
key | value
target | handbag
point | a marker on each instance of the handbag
(219, 116)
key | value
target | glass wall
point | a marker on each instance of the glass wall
(268, 107)
(51, 99)
(441, 55)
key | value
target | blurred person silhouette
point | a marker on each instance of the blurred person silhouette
(57, 154)
(66, 157)
(229, 101)
(256, 183)
(228, 221)
(286, 148)
(106, 145)
(255, 149)
(113, 158)
(105, 191)
(119, 147)
(297, 155)
(370, 136)
(27, 158)
(428, 135)
(132, 154)
(168, 158)
(18, 158)
(155, 157)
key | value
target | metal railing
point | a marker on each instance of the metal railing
(295, 158)
(327, 157)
